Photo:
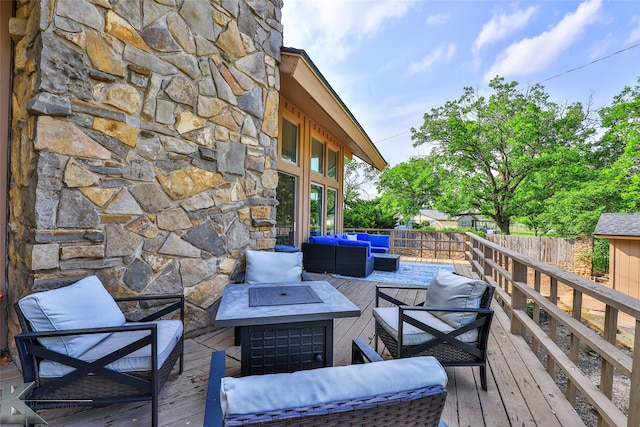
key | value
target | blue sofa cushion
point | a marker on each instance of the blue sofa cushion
(325, 240)
(346, 242)
(380, 243)
(380, 240)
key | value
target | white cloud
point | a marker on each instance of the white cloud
(635, 34)
(536, 54)
(329, 29)
(442, 53)
(503, 25)
(439, 19)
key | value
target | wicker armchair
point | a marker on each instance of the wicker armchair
(455, 331)
(79, 350)
(420, 406)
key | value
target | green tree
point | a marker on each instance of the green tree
(358, 176)
(500, 156)
(615, 185)
(410, 186)
(368, 214)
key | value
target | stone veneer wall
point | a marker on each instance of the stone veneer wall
(143, 144)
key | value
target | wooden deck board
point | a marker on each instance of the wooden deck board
(520, 393)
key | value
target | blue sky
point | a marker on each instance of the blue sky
(391, 61)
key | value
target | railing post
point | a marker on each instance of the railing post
(488, 255)
(537, 284)
(518, 298)
(634, 393)
(609, 332)
(553, 322)
(574, 345)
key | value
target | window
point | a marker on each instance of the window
(332, 164)
(286, 211)
(332, 196)
(317, 156)
(316, 210)
(289, 141)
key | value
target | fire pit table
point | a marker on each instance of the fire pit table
(284, 327)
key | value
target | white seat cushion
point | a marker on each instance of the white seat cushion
(169, 333)
(269, 267)
(389, 317)
(263, 393)
(448, 289)
(84, 304)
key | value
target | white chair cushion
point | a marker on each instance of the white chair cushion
(448, 289)
(389, 318)
(267, 267)
(263, 393)
(84, 304)
(169, 333)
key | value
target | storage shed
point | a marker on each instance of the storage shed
(623, 232)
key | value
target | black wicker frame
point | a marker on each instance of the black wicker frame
(319, 258)
(421, 407)
(339, 259)
(92, 384)
(445, 346)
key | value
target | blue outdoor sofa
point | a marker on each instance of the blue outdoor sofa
(345, 254)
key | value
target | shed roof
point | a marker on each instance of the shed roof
(618, 224)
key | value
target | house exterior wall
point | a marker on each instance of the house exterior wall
(308, 129)
(144, 136)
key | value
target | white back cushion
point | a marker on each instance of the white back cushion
(262, 393)
(84, 304)
(448, 289)
(267, 267)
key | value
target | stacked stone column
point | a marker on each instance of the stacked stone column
(143, 145)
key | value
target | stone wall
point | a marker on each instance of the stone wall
(143, 144)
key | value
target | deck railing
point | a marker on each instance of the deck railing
(541, 299)
(423, 243)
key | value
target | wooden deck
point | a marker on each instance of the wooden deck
(520, 391)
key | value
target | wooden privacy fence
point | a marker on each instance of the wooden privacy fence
(565, 253)
(532, 292)
(423, 243)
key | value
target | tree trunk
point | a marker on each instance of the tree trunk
(503, 224)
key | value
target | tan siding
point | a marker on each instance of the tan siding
(624, 265)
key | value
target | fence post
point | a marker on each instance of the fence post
(392, 243)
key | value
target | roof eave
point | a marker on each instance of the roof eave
(311, 90)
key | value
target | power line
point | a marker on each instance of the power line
(392, 136)
(591, 63)
(546, 80)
